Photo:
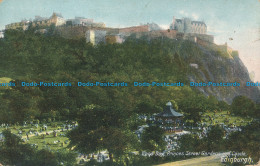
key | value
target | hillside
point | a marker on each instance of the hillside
(31, 57)
(217, 66)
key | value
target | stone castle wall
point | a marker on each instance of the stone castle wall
(71, 32)
(135, 29)
(79, 31)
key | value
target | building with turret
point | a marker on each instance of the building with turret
(186, 25)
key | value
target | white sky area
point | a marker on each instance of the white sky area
(225, 19)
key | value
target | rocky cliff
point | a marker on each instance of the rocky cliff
(219, 67)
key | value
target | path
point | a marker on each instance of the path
(214, 160)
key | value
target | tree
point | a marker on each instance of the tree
(192, 143)
(66, 157)
(174, 104)
(193, 114)
(247, 140)
(146, 108)
(257, 111)
(19, 105)
(5, 114)
(243, 106)
(102, 128)
(222, 105)
(214, 138)
(200, 102)
(152, 139)
(13, 152)
(44, 157)
(212, 103)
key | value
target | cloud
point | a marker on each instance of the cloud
(218, 27)
(182, 12)
(195, 16)
(163, 26)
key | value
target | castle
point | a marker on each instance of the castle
(185, 25)
(97, 32)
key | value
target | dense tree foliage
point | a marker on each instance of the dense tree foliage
(152, 139)
(32, 57)
(243, 106)
(247, 140)
(191, 143)
(212, 142)
(14, 152)
(102, 128)
(214, 139)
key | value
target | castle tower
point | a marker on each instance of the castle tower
(172, 25)
(187, 25)
(173, 21)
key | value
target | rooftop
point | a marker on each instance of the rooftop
(169, 112)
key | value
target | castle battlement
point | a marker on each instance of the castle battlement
(226, 49)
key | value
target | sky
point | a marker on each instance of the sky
(225, 19)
